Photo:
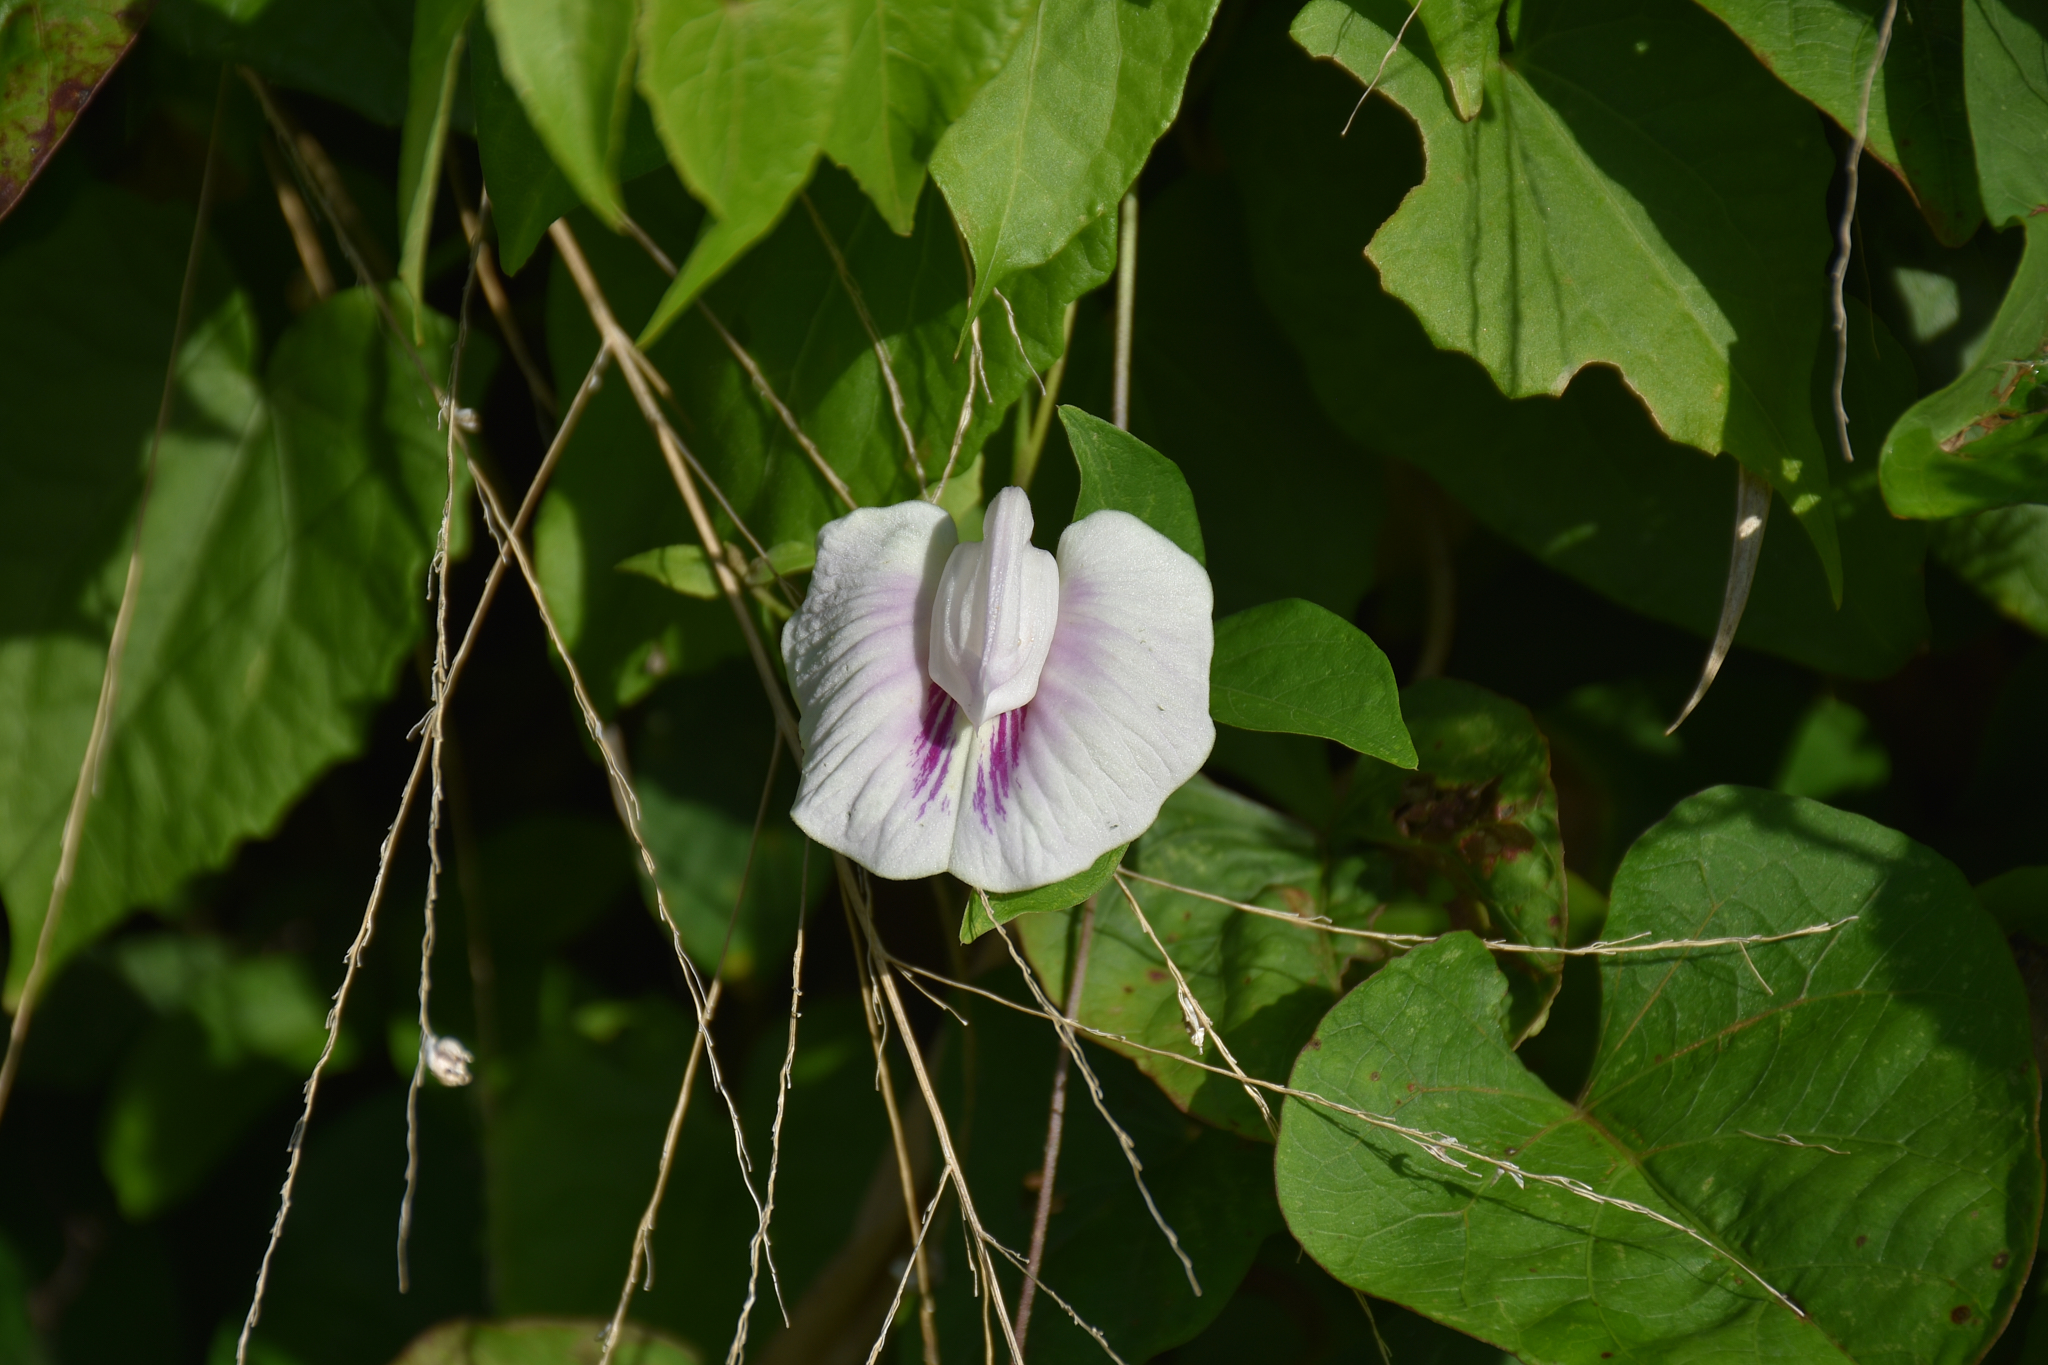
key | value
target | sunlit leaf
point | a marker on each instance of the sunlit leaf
(912, 67)
(1122, 473)
(1918, 125)
(288, 532)
(1983, 441)
(744, 96)
(1709, 289)
(1294, 667)
(2005, 70)
(1053, 141)
(1003, 907)
(53, 56)
(571, 63)
(1852, 1115)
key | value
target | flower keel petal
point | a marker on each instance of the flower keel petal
(884, 749)
(1120, 720)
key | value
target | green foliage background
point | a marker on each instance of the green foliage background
(1431, 379)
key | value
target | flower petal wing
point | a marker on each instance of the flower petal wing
(1121, 718)
(884, 748)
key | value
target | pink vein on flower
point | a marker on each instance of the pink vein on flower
(989, 709)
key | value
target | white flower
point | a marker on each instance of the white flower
(986, 710)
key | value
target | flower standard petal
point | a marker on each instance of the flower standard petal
(1120, 719)
(884, 747)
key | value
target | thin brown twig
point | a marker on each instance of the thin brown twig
(622, 346)
(98, 737)
(450, 1062)
(1602, 948)
(872, 1014)
(1055, 1125)
(1381, 69)
(298, 220)
(1130, 1149)
(1126, 311)
(915, 1257)
(1197, 1018)
(867, 321)
(1838, 271)
(475, 212)
(974, 367)
(885, 973)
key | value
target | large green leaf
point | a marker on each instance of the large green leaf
(1851, 1115)
(912, 67)
(351, 51)
(571, 62)
(1918, 124)
(53, 56)
(1294, 667)
(438, 30)
(2003, 553)
(1584, 483)
(540, 1341)
(1121, 473)
(293, 513)
(2005, 69)
(744, 96)
(1983, 441)
(1574, 228)
(1053, 141)
(614, 497)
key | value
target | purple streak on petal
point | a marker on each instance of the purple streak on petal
(995, 767)
(931, 754)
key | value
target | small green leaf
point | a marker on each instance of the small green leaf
(1573, 228)
(1121, 472)
(1061, 895)
(2005, 78)
(53, 56)
(538, 1341)
(437, 39)
(571, 63)
(1294, 667)
(679, 568)
(2003, 554)
(1918, 123)
(1851, 1114)
(912, 67)
(744, 96)
(1983, 441)
(1053, 141)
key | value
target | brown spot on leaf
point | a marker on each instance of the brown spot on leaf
(1375, 1075)
(1315, 1045)
(1959, 1314)
(1154, 974)
(1411, 1087)
(2001, 1260)
(1861, 1239)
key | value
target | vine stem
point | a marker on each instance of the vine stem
(98, 737)
(1126, 309)
(1055, 1125)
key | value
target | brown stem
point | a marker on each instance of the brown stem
(1055, 1124)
